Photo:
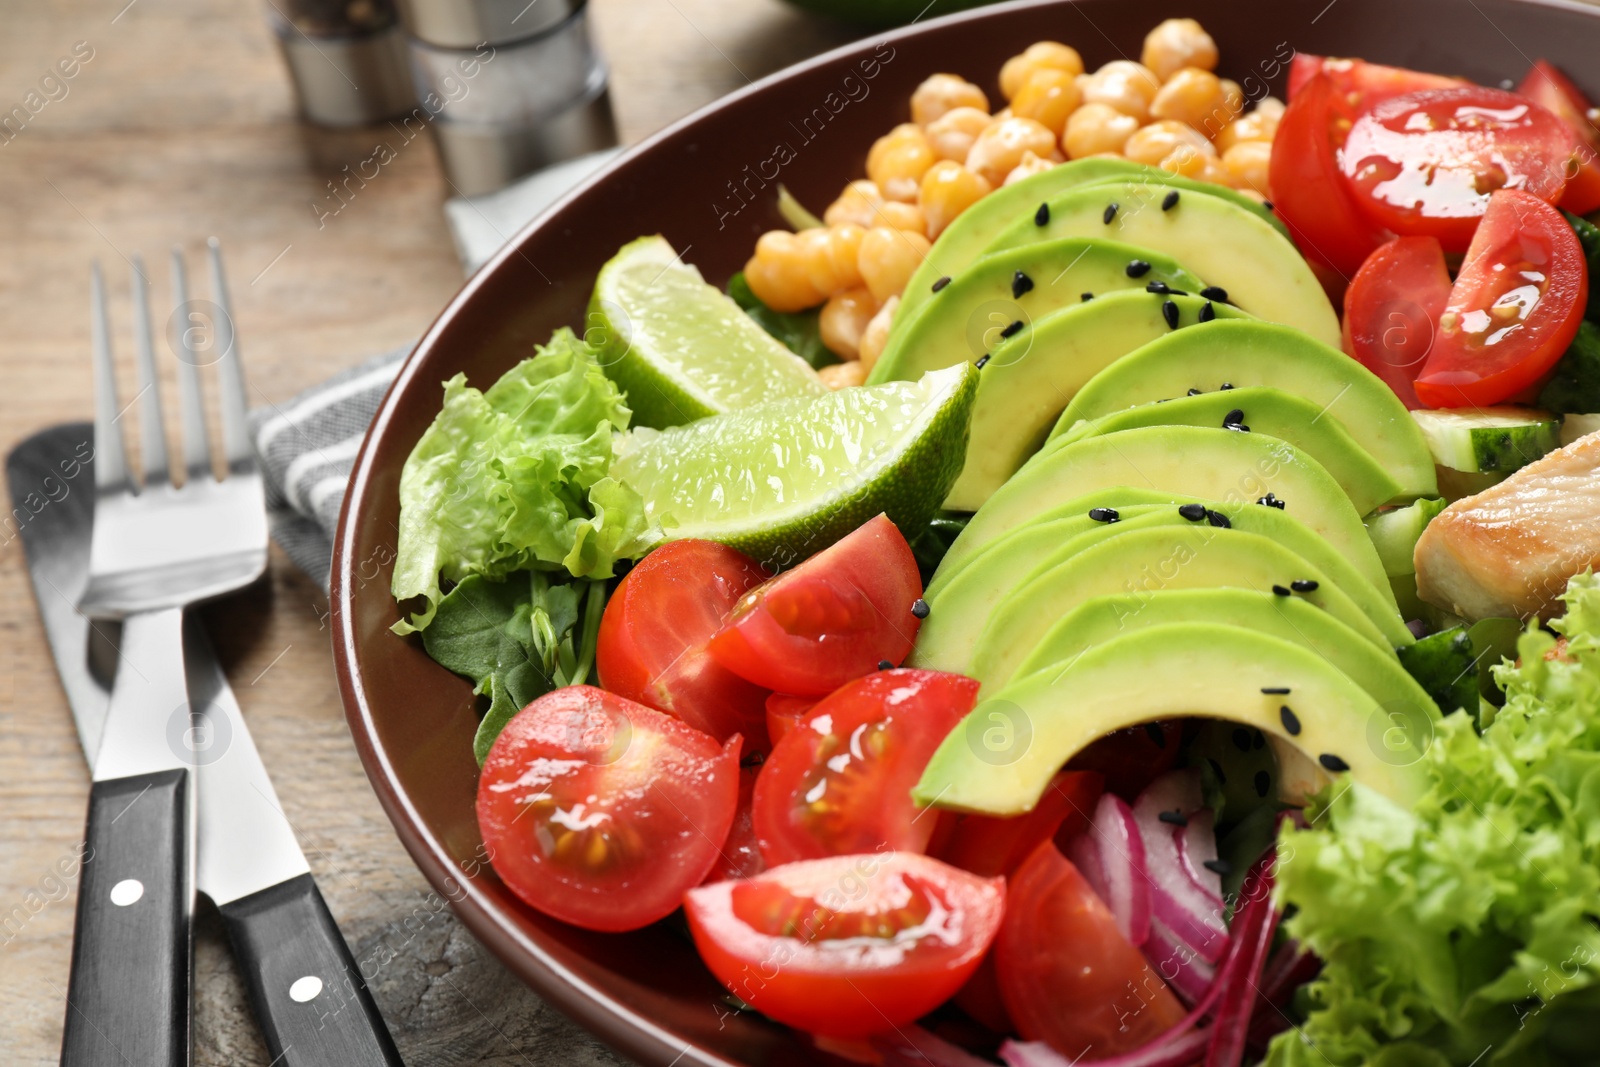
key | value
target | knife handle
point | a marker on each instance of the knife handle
(128, 995)
(313, 1005)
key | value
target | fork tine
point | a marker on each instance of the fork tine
(152, 431)
(110, 462)
(196, 456)
(230, 371)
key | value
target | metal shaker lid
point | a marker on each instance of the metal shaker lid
(469, 23)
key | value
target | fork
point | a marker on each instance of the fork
(157, 548)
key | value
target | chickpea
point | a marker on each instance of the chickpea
(844, 319)
(1178, 43)
(858, 203)
(941, 94)
(1001, 147)
(951, 134)
(1159, 140)
(1095, 129)
(777, 275)
(1257, 125)
(1246, 165)
(948, 189)
(898, 216)
(1193, 96)
(1271, 106)
(898, 161)
(843, 375)
(888, 258)
(1201, 166)
(1030, 165)
(828, 257)
(1048, 97)
(876, 336)
(1041, 54)
(1126, 86)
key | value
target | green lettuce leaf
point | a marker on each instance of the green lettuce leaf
(516, 478)
(1465, 930)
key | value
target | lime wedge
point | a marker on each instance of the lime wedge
(680, 348)
(789, 478)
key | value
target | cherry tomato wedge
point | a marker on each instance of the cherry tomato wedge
(1514, 309)
(1392, 309)
(784, 710)
(740, 856)
(987, 845)
(1550, 89)
(1361, 83)
(652, 645)
(601, 812)
(834, 617)
(840, 781)
(1424, 164)
(1067, 974)
(848, 946)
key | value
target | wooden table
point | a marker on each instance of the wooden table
(180, 126)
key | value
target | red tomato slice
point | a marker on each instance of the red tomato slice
(652, 645)
(1550, 89)
(840, 781)
(1424, 164)
(1514, 309)
(740, 856)
(1131, 758)
(1067, 974)
(1392, 308)
(1363, 84)
(784, 710)
(988, 846)
(601, 812)
(848, 946)
(835, 617)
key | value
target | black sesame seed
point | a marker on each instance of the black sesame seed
(1173, 818)
(1195, 392)
(919, 608)
(1267, 204)
(1086, 297)
(1279, 590)
(1241, 739)
(1158, 287)
(1215, 292)
(1217, 866)
(1154, 732)
(983, 360)
(1263, 783)
(1137, 268)
(1234, 417)
(1169, 201)
(1020, 283)
(1271, 500)
(1192, 512)
(885, 665)
(1104, 514)
(941, 282)
(1169, 311)
(1291, 721)
(1111, 212)
(1332, 762)
(1207, 313)
(1218, 519)
(1303, 585)
(1226, 385)
(1042, 216)
(1259, 741)
(1272, 690)
(1012, 330)
(1237, 427)
(1216, 769)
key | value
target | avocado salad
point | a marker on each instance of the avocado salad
(1059, 607)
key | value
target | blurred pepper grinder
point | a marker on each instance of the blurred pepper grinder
(507, 86)
(347, 59)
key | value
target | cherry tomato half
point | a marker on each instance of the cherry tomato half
(1363, 84)
(1550, 89)
(601, 812)
(832, 618)
(840, 781)
(740, 856)
(1067, 974)
(1392, 309)
(652, 645)
(848, 946)
(1424, 164)
(1514, 309)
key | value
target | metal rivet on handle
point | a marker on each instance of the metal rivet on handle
(126, 892)
(305, 989)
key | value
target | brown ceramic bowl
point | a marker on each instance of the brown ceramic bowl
(706, 184)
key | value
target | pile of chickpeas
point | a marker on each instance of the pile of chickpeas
(1168, 110)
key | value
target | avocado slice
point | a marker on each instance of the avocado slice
(1159, 557)
(965, 239)
(1230, 467)
(1274, 412)
(1001, 757)
(1246, 353)
(1006, 291)
(1226, 245)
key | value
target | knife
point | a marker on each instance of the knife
(308, 994)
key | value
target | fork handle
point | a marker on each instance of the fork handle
(128, 995)
(308, 993)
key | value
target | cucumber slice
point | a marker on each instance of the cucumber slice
(1488, 439)
(1575, 385)
(1454, 665)
(1576, 426)
(1395, 532)
(1454, 484)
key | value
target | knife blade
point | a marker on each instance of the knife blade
(309, 996)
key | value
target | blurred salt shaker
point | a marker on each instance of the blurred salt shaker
(507, 86)
(347, 59)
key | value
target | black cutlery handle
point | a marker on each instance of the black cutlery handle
(128, 996)
(309, 997)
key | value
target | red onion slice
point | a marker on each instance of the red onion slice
(1120, 849)
(1256, 920)
(1178, 965)
(1186, 907)
(1181, 1051)
(1197, 846)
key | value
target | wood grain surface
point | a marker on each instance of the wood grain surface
(181, 125)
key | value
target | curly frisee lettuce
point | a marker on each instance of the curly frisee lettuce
(1466, 930)
(516, 478)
